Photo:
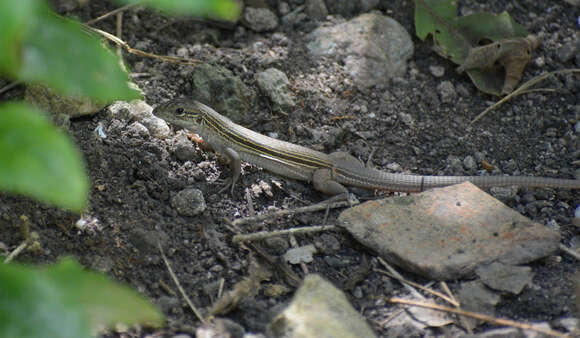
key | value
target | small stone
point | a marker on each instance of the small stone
(260, 19)
(447, 92)
(275, 84)
(188, 202)
(437, 71)
(316, 9)
(137, 129)
(184, 149)
(301, 254)
(469, 163)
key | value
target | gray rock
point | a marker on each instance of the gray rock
(319, 310)
(447, 92)
(469, 162)
(503, 277)
(373, 47)
(137, 129)
(220, 89)
(437, 71)
(274, 83)
(141, 112)
(188, 202)
(475, 297)
(184, 149)
(446, 233)
(316, 9)
(302, 254)
(259, 19)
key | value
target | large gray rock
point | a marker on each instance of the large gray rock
(446, 233)
(373, 47)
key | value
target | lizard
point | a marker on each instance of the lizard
(329, 173)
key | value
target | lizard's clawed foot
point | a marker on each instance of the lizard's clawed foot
(227, 184)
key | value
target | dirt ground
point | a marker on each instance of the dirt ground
(133, 177)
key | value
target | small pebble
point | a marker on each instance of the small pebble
(188, 202)
(437, 71)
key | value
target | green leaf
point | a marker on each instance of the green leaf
(38, 160)
(59, 54)
(65, 301)
(222, 9)
(16, 19)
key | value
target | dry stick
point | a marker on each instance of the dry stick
(16, 252)
(267, 234)
(130, 50)
(9, 86)
(179, 287)
(479, 316)
(111, 13)
(570, 252)
(416, 293)
(310, 208)
(448, 292)
(522, 89)
(419, 286)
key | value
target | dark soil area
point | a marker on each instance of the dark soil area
(134, 177)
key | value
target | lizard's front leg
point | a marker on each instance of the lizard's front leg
(323, 181)
(235, 167)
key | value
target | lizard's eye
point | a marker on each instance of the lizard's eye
(179, 111)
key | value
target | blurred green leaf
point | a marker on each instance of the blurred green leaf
(65, 301)
(16, 19)
(38, 160)
(221, 9)
(58, 53)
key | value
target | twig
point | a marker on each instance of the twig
(522, 89)
(419, 286)
(176, 281)
(448, 292)
(267, 234)
(570, 252)
(16, 252)
(416, 293)
(309, 208)
(134, 51)
(111, 13)
(479, 316)
(9, 86)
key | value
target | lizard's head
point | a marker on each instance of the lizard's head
(183, 113)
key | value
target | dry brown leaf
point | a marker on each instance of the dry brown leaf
(512, 54)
